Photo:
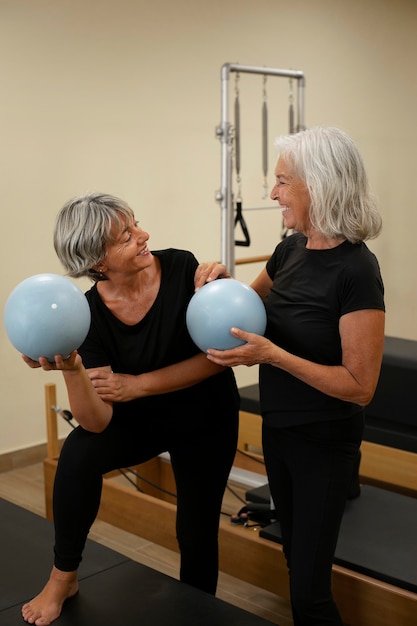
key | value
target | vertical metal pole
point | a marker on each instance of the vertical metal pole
(300, 103)
(227, 218)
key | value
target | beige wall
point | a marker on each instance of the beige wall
(124, 96)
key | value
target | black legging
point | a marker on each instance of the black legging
(202, 445)
(309, 471)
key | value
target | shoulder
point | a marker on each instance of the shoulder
(288, 245)
(362, 282)
(176, 262)
(291, 242)
(359, 257)
(175, 254)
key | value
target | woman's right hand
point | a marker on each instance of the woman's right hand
(72, 363)
(207, 272)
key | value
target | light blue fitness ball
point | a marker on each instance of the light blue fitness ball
(45, 315)
(217, 307)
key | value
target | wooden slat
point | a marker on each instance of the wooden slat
(51, 421)
(365, 601)
(389, 468)
(252, 259)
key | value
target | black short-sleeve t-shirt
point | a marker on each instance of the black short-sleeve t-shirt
(160, 339)
(311, 290)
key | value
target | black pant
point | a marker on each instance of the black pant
(309, 471)
(202, 444)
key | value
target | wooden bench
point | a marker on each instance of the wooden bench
(362, 600)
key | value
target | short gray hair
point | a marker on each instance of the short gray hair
(328, 161)
(83, 229)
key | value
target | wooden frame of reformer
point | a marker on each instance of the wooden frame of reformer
(363, 601)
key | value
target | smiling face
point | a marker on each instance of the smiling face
(293, 197)
(129, 251)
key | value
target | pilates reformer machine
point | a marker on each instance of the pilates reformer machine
(364, 596)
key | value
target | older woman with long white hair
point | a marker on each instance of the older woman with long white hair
(321, 354)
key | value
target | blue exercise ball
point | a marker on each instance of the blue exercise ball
(217, 307)
(45, 315)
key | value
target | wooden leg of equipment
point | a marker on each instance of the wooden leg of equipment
(363, 600)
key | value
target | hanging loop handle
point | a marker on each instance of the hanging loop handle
(239, 219)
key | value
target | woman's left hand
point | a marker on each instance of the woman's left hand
(256, 350)
(113, 387)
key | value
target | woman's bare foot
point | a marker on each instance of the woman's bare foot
(47, 606)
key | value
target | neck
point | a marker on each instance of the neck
(317, 241)
(130, 285)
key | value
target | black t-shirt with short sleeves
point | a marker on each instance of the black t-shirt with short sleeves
(160, 339)
(311, 290)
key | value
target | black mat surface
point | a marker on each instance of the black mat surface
(26, 548)
(260, 495)
(378, 537)
(114, 591)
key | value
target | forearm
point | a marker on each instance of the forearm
(88, 409)
(333, 380)
(114, 387)
(177, 376)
